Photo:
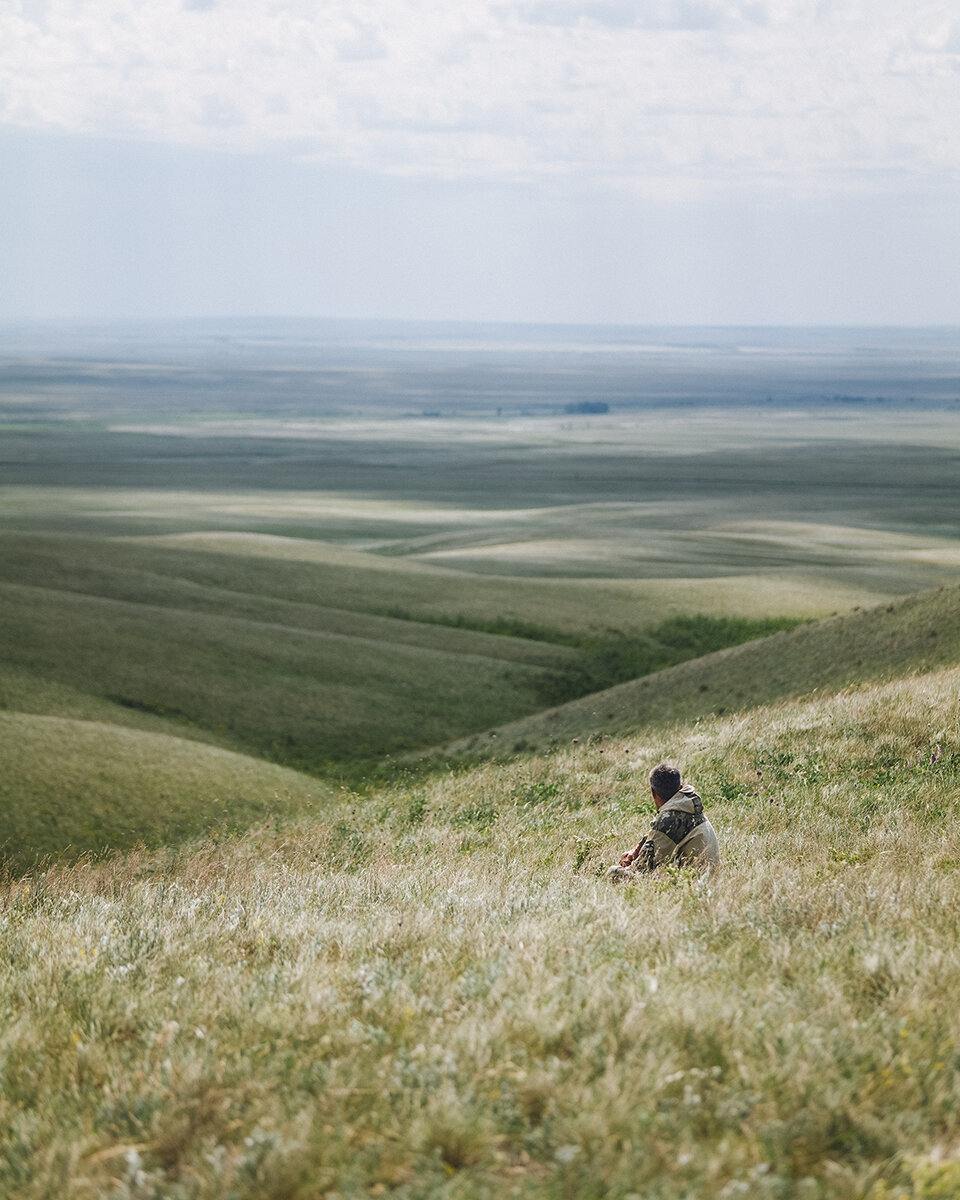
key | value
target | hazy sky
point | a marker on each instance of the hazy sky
(767, 161)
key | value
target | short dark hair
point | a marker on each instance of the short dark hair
(665, 781)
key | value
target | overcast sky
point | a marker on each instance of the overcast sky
(704, 161)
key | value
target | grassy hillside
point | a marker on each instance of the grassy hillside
(84, 786)
(244, 572)
(302, 697)
(431, 992)
(343, 599)
(912, 634)
(335, 660)
(22, 691)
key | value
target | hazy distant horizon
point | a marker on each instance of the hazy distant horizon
(310, 367)
(332, 323)
(400, 332)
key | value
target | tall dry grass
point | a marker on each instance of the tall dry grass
(434, 993)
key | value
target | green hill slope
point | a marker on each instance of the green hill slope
(380, 583)
(911, 634)
(288, 650)
(340, 594)
(434, 993)
(23, 691)
(86, 786)
(320, 586)
(302, 697)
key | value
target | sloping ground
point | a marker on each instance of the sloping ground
(912, 634)
(303, 697)
(285, 648)
(377, 583)
(243, 570)
(83, 786)
(22, 691)
(433, 993)
(275, 592)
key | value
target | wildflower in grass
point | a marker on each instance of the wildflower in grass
(136, 1176)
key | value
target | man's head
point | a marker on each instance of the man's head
(664, 783)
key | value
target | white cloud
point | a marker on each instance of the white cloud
(669, 95)
(627, 14)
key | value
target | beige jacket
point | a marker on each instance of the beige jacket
(680, 832)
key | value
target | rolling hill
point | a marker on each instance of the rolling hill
(320, 657)
(274, 987)
(916, 633)
(75, 787)
(304, 697)
(431, 991)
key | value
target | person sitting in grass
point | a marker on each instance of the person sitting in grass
(680, 832)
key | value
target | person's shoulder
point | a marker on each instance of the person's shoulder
(674, 823)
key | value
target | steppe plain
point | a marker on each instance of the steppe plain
(269, 930)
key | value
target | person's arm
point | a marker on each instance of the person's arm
(631, 855)
(648, 858)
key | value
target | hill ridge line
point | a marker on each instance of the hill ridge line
(293, 630)
(918, 632)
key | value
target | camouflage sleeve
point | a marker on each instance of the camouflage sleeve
(646, 860)
(666, 832)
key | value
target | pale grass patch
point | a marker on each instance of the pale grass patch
(432, 992)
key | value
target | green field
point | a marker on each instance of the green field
(278, 691)
(298, 662)
(429, 992)
(321, 718)
(81, 785)
(917, 633)
(324, 593)
(377, 586)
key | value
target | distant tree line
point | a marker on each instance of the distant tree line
(588, 406)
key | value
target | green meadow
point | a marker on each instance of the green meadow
(328, 692)
(325, 593)
(915, 634)
(79, 785)
(430, 991)
(312, 664)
